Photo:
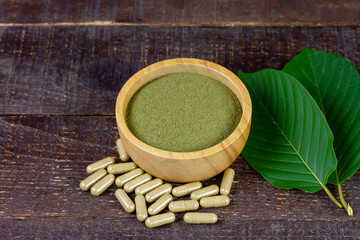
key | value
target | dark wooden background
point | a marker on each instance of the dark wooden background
(62, 64)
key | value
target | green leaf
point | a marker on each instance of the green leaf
(290, 143)
(334, 83)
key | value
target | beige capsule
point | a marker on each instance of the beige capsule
(227, 180)
(158, 192)
(103, 163)
(160, 204)
(186, 189)
(121, 150)
(121, 168)
(130, 186)
(215, 201)
(125, 200)
(141, 210)
(200, 218)
(92, 179)
(102, 185)
(205, 192)
(183, 206)
(121, 180)
(147, 187)
(159, 220)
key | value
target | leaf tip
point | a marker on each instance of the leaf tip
(306, 49)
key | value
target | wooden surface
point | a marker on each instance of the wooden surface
(79, 70)
(62, 65)
(175, 12)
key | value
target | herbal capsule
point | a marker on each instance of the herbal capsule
(160, 204)
(130, 186)
(227, 180)
(198, 218)
(216, 201)
(186, 189)
(92, 179)
(103, 163)
(102, 185)
(183, 206)
(125, 201)
(147, 187)
(141, 210)
(205, 192)
(159, 220)
(158, 192)
(121, 168)
(121, 150)
(121, 180)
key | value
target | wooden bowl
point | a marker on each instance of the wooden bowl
(184, 166)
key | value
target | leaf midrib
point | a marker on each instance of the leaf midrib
(297, 153)
(317, 81)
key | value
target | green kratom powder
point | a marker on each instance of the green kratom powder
(183, 112)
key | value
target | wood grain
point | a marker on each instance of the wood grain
(114, 228)
(183, 12)
(80, 70)
(62, 64)
(43, 159)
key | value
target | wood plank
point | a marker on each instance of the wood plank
(184, 12)
(119, 228)
(43, 159)
(80, 70)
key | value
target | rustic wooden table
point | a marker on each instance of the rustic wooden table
(62, 64)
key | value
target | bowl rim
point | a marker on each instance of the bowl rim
(242, 126)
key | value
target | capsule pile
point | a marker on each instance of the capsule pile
(155, 193)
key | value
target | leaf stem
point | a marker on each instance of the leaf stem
(332, 197)
(346, 205)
